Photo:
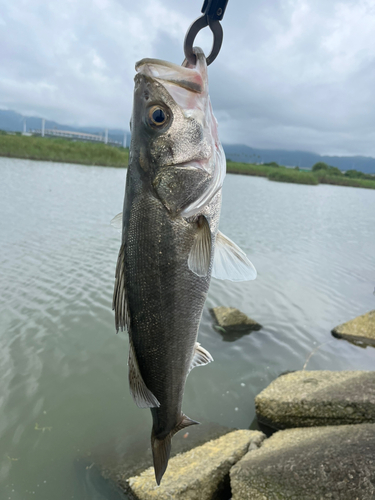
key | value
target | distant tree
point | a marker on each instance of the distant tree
(334, 171)
(320, 166)
(354, 174)
(296, 168)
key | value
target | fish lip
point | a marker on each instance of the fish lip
(159, 62)
(182, 83)
(198, 164)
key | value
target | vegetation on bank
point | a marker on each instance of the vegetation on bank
(88, 153)
(318, 175)
(62, 150)
(295, 176)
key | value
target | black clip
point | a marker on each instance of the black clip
(214, 9)
(213, 12)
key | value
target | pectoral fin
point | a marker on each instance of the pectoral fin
(200, 253)
(201, 357)
(230, 262)
(142, 396)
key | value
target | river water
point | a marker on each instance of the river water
(63, 370)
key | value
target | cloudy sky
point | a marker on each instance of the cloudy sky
(292, 74)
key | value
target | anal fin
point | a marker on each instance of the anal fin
(142, 396)
(184, 422)
(201, 357)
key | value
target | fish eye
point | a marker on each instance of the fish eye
(157, 116)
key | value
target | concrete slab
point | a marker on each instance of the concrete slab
(315, 398)
(319, 463)
(199, 474)
(360, 330)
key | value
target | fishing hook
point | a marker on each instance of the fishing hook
(213, 12)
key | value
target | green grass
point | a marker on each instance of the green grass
(341, 180)
(294, 176)
(283, 174)
(62, 150)
(273, 173)
(250, 169)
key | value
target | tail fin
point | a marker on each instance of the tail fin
(161, 448)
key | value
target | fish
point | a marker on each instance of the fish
(171, 243)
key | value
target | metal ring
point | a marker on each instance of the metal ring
(193, 31)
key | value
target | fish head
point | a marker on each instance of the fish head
(173, 126)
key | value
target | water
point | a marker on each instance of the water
(63, 371)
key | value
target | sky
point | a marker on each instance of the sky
(291, 74)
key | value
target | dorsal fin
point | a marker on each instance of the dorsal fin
(142, 396)
(119, 302)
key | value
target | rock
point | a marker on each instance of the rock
(360, 330)
(308, 464)
(233, 322)
(199, 474)
(314, 398)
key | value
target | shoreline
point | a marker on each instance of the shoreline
(71, 162)
(103, 155)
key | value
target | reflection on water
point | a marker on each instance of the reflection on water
(63, 369)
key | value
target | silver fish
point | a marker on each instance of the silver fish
(169, 238)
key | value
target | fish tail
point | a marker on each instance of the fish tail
(161, 448)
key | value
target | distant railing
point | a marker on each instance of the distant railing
(81, 136)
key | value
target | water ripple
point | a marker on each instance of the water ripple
(62, 368)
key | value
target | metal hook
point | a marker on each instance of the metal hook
(193, 31)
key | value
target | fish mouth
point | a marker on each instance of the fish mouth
(203, 165)
(168, 73)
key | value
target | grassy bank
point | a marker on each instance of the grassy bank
(294, 176)
(344, 181)
(283, 174)
(62, 150)
(88, 153)
(279, 174)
